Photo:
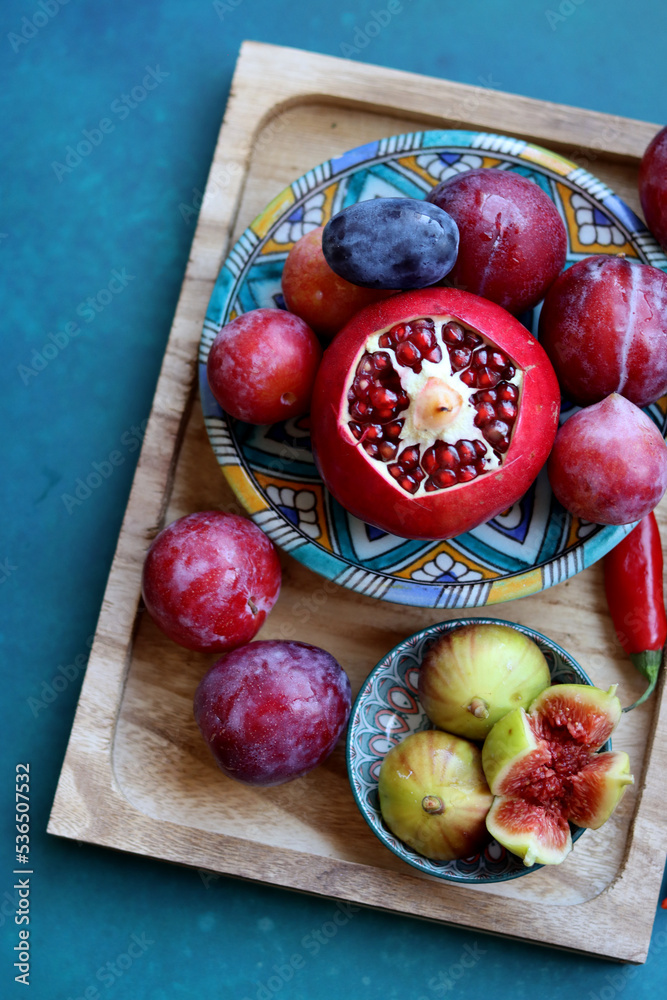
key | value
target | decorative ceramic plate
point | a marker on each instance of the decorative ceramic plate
(527, 548)
(387, 710)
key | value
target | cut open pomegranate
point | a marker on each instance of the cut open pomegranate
(424, 395)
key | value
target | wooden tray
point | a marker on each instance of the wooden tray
(137, 775)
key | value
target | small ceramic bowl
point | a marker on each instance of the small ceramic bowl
(387, 709)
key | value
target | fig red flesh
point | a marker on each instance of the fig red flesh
(544, 768)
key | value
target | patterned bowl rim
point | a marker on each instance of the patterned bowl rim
(355, 573)
(403, 646)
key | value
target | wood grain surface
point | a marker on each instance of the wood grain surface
(137, 775)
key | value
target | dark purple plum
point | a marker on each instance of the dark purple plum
(397, 243)
(272, 710)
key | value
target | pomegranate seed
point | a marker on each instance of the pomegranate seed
(480, 448)
(460, 358)
(466, 450)
(383, 414)
(485, 396)
(366, 365)
(423, 324)
(408, 484)
(506, 391)
(447, 455)
(510, 371)
(402, 400)
(430, 486)
(371, 449)
(480, 465)
(385, 340)
(498, 360)
(394, 429)
(466, 473)
(488, 378)
(434, 355)
(409, 458)
(418, 475)
(382, 361)
(373, 432)
(407, 354)
(453, 334)
(424, 339)
(401, 333)
(356, 430)
(497, 434)
(481, 358)
(444, 478)
(358, 410)
(473, 339)
(506, 410)
(387, 450)
(469, 378)
(485, 412)
(395, 470)
(429, 461)
(381, 396)
(361, 385)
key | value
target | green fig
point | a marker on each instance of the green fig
(434, 797)
(474, 675)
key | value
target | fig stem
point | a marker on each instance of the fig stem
(433, 805)
(479, 708)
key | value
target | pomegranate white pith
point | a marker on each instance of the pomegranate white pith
(432, 403)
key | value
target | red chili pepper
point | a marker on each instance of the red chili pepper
(633, 584)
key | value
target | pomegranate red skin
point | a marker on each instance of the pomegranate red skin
(653, 186)
(513, 242)
(350, 475)
(210, 579)
(262, 365)
(604, 326)
(609, 463)
(271, 711)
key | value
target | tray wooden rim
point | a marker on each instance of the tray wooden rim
(89, 804)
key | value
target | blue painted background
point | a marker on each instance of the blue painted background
(92, 261)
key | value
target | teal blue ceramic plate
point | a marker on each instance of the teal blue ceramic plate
(527, 548)
(387, 710)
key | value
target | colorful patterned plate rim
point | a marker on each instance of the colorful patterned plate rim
(528, 548)
(387, 710)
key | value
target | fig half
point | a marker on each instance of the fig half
(545, 771)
